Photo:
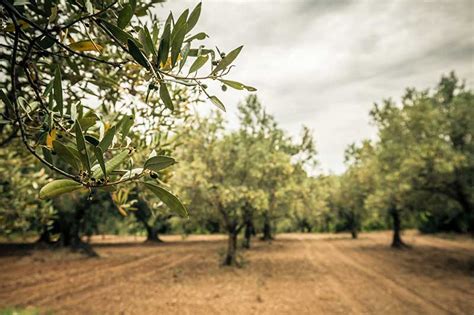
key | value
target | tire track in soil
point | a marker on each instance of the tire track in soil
(56, 277)
(406, 294)
(43, 283)
(438, 242)
(96, 289)
(348, 300)
(452, 286)
(91, 276)
(387, 260)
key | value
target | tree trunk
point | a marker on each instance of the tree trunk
(249, 228)
(151, 234)
(354, 225)
(68, 226)
(143, 214)
(267, 228)
(45, 237)
(397, 239)
(249, 231)
(69, 229)
(231, 256)
(466, 205)
(354, 233)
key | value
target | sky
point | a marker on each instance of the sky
(325, 63)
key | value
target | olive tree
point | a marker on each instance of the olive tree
(83, 76)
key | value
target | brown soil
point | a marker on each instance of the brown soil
(296, 274)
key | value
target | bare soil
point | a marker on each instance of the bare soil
(295, 274)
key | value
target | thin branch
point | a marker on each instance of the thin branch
(89, 16)
(11, 9)
(15, 103)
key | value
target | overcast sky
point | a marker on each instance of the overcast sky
(324, 63)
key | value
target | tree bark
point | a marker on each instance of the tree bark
(45, 237)
(354, 225)
(397, 239)
(142, 214)
(231, 256)
(466, 204)
(267, 228)
(249, 227)
(249, 231)
(151, 234)
(354, 233)
(69, 229)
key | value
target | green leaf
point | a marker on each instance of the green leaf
(47, 155)
(198, 63)
(92, 140)
(46, 42)
(194, 17)
(227, 60)
(146, 41)
(168, 199)
(164, 48)
(155, 32)
(100, 158)
(237, 85)
(81, 146)
(198, 36)
(88, 120)
(169, 19)
(180, 23)
(177, 43)
(137, 54)
(217, 102)
(159, 162)
(133, 4)
(117, 32)
(124, 16)
(58, 90)
(165, 96)
(110, 165)
(184, 54)
(58, 187)
(107, 139)
(66, 154)
(233, 84)
(126, 123)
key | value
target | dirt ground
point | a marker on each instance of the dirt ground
(295, 274)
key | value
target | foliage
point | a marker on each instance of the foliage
(83, 76)
(238, 177)
(20, 209)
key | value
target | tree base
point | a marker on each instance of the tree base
(267, 238)
(229, 262)
(400, 245)
(154, 240)
(78, 246)
(85, 249)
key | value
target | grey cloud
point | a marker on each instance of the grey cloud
(324, 63)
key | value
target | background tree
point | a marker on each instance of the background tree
(424, 152)
(354, 187)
